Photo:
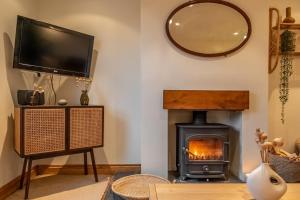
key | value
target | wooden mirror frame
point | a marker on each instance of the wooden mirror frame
(225, 3)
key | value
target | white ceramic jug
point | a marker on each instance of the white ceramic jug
(265, 184)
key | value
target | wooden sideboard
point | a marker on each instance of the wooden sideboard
(48, 131)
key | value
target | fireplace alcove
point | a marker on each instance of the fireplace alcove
(199, 150)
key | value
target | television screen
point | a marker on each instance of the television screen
(48, 48)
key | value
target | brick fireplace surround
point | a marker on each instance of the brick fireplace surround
(202, 149)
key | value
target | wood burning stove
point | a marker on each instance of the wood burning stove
(202, 149)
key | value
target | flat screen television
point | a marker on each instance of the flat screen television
(44, 47)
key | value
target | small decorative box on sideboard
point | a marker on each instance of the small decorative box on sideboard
(48, 131)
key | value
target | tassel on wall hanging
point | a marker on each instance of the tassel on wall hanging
(287, 47)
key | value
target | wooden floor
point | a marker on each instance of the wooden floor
(211, 192)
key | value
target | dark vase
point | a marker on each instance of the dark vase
(84, 98)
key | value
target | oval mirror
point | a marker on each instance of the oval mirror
(208, 28)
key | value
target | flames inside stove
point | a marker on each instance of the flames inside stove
(205, 149)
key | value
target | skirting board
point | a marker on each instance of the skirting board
(78, 169)
(13, 185)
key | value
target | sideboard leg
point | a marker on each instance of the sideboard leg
(94, 164)
(85, 163)
(23, 173)
(28, 178)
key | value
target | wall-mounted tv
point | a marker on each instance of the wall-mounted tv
(44, 47)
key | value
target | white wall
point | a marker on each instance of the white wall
(10, 164)
(290, 130)
(116, 78)
(165, 67)
(116, 27)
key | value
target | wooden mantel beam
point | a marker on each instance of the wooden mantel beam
(206, 100)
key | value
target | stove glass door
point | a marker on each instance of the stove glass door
(201, 149)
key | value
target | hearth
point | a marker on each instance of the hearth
(202, 149)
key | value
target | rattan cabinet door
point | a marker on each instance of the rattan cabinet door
(44, 130)
(86, 127)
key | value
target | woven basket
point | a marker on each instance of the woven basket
(288, 170)
(136, 187)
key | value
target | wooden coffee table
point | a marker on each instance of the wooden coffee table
(211, 192)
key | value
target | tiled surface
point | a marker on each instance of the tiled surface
(174, 178)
